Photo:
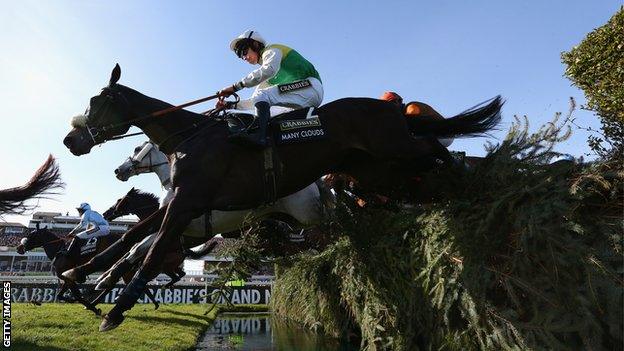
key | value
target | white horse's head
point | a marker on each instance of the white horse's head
(145, 159)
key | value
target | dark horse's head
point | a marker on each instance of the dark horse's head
(36, 238)
(134, 202)
(105, 117)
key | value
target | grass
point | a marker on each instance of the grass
(58, 326)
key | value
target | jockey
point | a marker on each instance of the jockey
(284, 78)
(92, 224)
(415, 109)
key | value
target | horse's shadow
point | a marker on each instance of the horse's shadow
(171, 320)
(184, 314)
(25, 345)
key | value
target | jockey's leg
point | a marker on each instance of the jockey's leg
(301, 98)
(257, 139)
(263, 99)
(74, 245)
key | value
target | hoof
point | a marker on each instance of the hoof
(73, 275)
(110, 322)
(156, 307)
(98, 312)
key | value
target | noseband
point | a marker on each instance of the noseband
(150, 167)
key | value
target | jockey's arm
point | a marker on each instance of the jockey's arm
(271, 61)
(83, 235)
(83, 224)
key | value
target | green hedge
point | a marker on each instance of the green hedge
(523, 254)
(596, 66)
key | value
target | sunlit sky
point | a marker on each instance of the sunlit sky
(451, 54)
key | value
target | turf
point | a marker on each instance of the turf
(58, 326)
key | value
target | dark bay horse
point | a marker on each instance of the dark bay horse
(45, 180)
(142, 205)
(53, 246)
(364, 138)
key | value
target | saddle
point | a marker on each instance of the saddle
(289, 127)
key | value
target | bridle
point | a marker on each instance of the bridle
(44, 243)
(110, 94)
(150, 167)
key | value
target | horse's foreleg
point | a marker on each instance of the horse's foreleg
(76, 292)
(176, 220)
(107, 257)
(60, 295)
(152, 298)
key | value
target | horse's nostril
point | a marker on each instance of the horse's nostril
(116, 171)
(67, 141)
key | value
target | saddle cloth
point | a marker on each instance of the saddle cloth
(290, 127)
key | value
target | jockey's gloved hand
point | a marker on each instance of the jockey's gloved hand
(227, 105)
(227, 91)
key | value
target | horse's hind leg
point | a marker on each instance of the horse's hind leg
(174, 279)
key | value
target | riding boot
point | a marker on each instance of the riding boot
(126, 300)
(259, 138)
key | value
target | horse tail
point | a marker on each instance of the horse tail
(201, 252)
(45, 180)
(476, 121)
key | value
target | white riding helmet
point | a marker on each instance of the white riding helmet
(83, 207)
(248, 34)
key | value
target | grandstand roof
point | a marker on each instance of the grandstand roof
(12, 224)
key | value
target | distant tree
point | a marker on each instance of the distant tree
(596, 66)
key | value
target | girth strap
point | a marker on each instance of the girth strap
(270, 174)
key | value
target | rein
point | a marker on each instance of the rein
(133, 211)
(157, 114)
(55, 241)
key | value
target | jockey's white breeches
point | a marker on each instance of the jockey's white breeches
(94, 232)
(311, 96)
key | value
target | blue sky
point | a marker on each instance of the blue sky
(451, 54)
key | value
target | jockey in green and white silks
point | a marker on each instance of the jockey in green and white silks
(284, 78)
(282, 65)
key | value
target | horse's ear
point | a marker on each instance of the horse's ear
(45, 227)
(115, 75)
(37, 225)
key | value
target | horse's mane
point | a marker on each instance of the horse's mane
(156, 104)
(143, 196)
(44, 182)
